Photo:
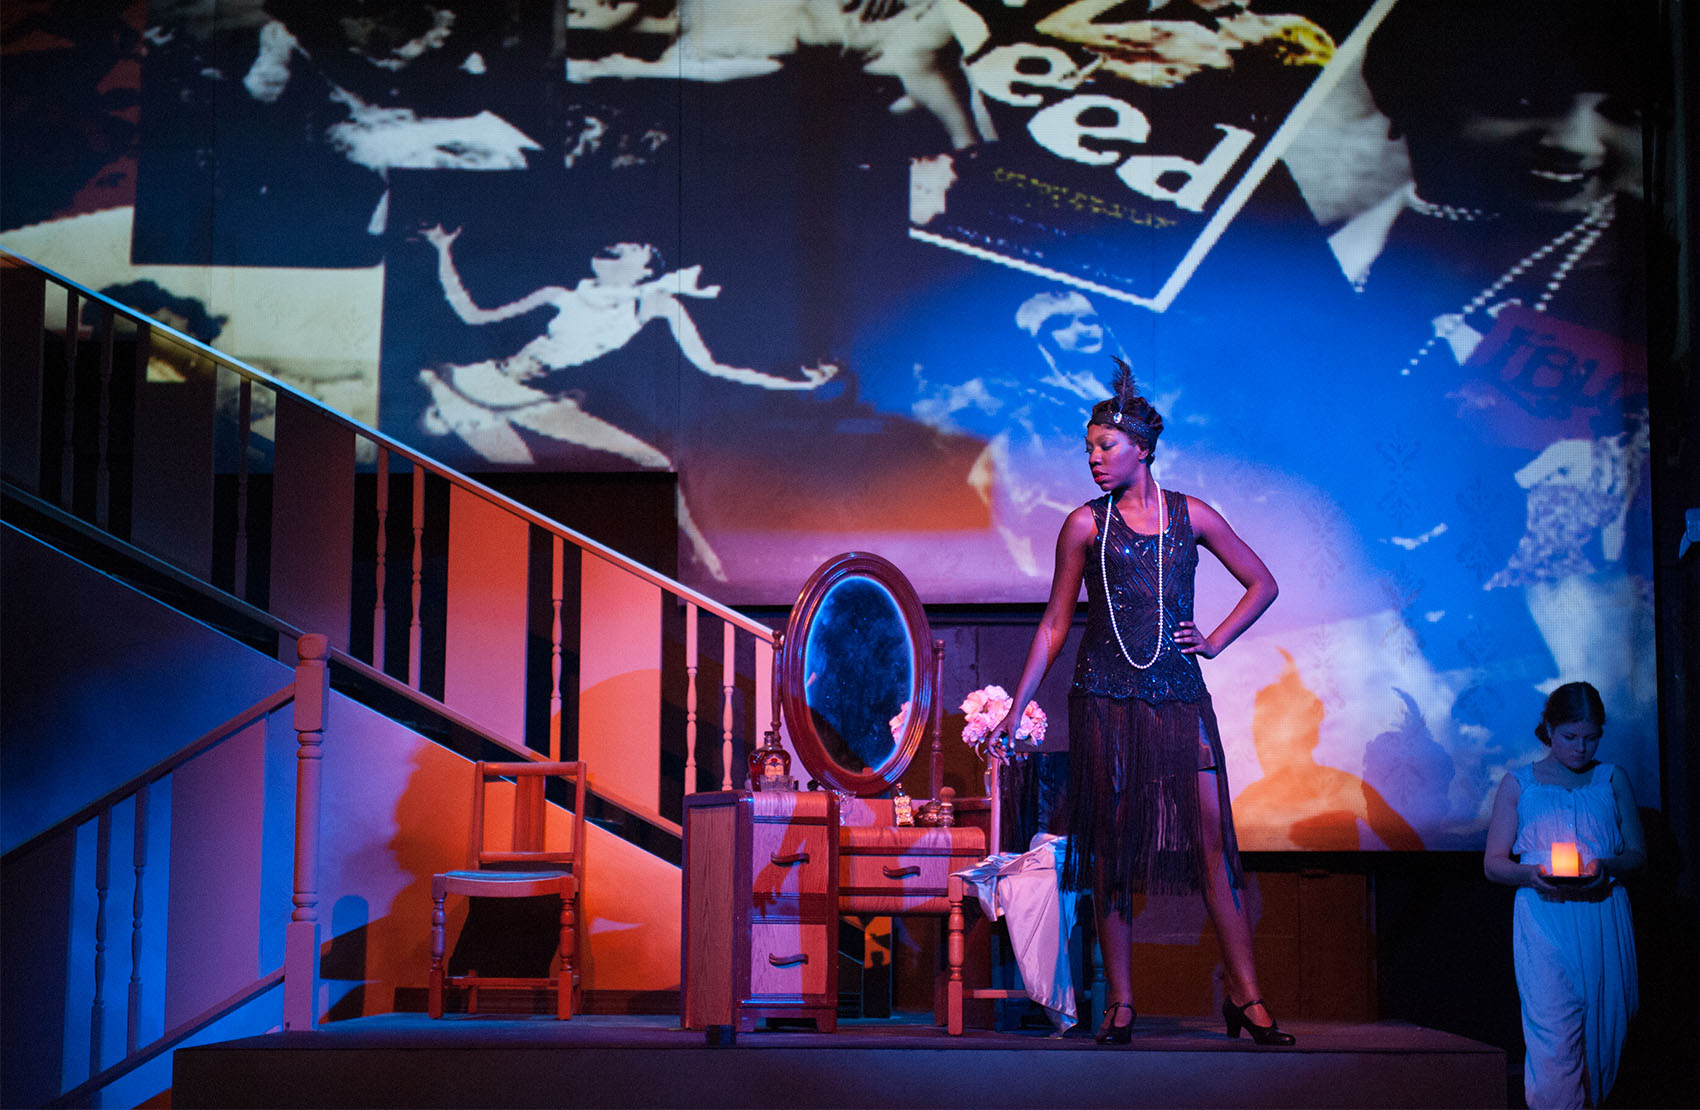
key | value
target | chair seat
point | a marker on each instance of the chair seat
(504, 884)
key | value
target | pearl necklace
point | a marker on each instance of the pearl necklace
(1104, 571)
(1580, 237)
(1452, 212)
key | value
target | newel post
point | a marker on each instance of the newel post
(301, 939)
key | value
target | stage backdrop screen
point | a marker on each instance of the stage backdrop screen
(855, 271)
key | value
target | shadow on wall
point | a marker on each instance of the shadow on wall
(342, 963)
(1300, 804)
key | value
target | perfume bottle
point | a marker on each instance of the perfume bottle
(770, 765)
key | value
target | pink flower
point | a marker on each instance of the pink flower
(980, 701)
(985, 707)
(900, 723)
(1032, 724)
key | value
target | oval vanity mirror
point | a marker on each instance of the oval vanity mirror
(856, 678)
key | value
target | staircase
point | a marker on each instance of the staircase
(222, 521)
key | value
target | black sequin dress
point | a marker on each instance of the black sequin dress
(1138, 738)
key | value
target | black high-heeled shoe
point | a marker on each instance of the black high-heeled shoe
(1110, 1032)
(1262, 1034)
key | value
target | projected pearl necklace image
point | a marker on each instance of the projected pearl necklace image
(1579, 237)
(1104, 572)
(1452, 212)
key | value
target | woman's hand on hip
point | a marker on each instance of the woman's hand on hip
(1191, 641)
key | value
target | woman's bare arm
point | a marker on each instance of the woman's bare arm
(1216, 536)
(1497, 863)
(1634, 854)
(691, 343)
(461, 301)
(1073, 540)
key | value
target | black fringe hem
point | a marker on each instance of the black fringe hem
(1132, 810)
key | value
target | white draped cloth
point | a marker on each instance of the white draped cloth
(1575, 960)
(1022, 888)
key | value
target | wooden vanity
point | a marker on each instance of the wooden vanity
(766, 876)
(768, 873)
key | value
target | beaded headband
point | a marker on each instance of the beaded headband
(1125, 393)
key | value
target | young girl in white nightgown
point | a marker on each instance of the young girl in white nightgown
(1572, 939)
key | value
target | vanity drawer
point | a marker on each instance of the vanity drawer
(902, 869)
(790, 859)
(789, 959)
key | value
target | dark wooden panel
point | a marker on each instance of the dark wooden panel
(313, 521)
(21, 292)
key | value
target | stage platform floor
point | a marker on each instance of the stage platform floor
(642, 1061)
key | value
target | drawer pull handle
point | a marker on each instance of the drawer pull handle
(900, 872)
(789, 961)
(791, 860)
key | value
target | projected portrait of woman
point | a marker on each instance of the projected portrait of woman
(1034, 486)
(1522, 127)
(1023, 406)
(1072, 339)
(489, 404)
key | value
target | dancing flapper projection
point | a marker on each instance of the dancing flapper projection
(1565, 830)
(488, 403)
(1148, 807)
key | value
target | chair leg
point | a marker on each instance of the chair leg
(434, 1005)
(564, 985)
(956, 950)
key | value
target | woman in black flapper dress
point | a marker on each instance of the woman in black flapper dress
(1147, 800)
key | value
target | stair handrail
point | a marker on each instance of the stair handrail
(308, 692)
(82, 1093)
(287, 631)
(315, 655)
(416, 458)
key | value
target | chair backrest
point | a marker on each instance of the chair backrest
(528, 848)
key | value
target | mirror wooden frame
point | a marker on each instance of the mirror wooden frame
(811, 749)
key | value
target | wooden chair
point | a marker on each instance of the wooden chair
(957, 897)
(525, 868)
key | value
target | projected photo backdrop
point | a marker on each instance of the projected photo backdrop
(855, 271)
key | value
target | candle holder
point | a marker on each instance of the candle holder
(1565, 862)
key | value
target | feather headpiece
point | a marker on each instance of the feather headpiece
(1122, 385)
(1126, 392)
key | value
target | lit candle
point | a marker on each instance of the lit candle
(1565, 861)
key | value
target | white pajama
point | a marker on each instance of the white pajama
(1575, 960)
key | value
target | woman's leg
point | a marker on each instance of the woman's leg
(1115, 948)
(1227, 914)
(485, 430)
